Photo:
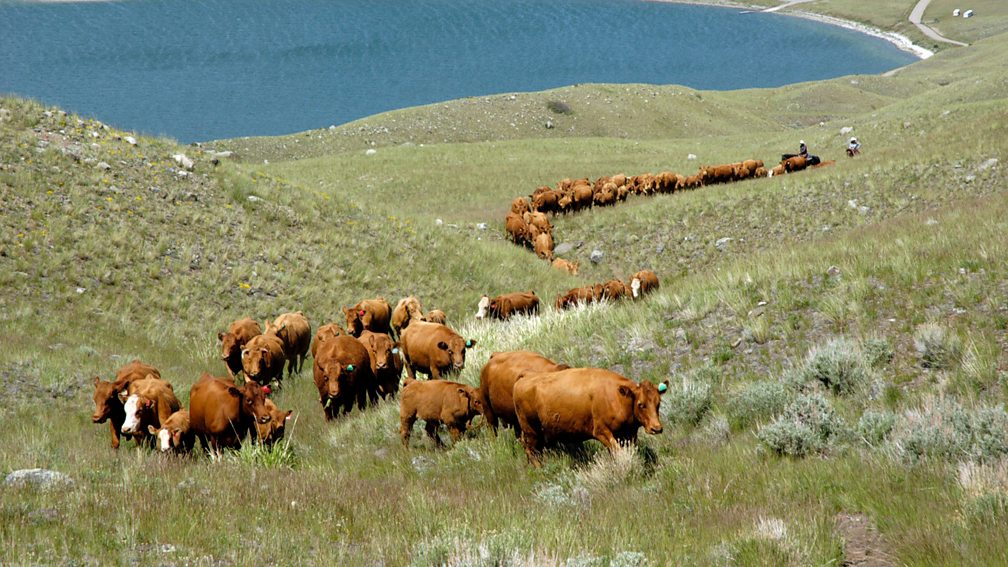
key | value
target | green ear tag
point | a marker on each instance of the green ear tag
(469, 343)
(662, 387)
(349, 368)
(395, 351)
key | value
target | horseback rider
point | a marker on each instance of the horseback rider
(853, 147)
(803, 152)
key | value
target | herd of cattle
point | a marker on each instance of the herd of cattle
(527, 224)
(360, 362)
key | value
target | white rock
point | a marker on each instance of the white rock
(81, 290)
(992, 162)
(846, 130)
(722, 243)
(370, 152)
(39, 478)
(130, 140)
(852, 203)
(691, 157)
(481, 226)
(253, 199)
(438, 222)
(183, 160)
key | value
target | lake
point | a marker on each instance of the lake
(207, 69)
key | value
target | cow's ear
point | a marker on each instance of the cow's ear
(289, 414)
(235, 392)
(442, 345)
(220, 336)
(152, 430)
(626, 391)
(96, 380)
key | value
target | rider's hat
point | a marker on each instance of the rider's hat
(853, 139)
(801, 141)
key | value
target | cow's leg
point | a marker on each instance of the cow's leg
(606, 436)
(431, 428)
(456, 431)
(115, 434)
(435, 373)
(409, 368)
(405, 427)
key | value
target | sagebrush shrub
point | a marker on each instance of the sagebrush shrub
(808, 425)
(687, 402)
(839, 365)
(758, 401)
(559, 107)
(938, 347)
(944, 429)
(875, 426)
(878, 352)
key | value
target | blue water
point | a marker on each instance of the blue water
(207, 69)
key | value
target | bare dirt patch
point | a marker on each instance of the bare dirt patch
(863, 544)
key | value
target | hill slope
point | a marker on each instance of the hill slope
(857, 316)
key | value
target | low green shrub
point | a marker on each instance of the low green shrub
(878, 352)
(687, 402)
(944, 429)
(808, 425)
(875, 426)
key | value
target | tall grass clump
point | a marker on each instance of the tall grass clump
(611, 469)
(985, 490)
(874, 426)
(938, 347)
(840, 365)
(808, 425)
(278, 455)
(758, 401)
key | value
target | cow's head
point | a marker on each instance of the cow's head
(354, 320)
(273, 431)
(337, 378)
(455, 347)
(483, 307)
(136, 407)
(107, 401)
(230, 347)
(255, 361)
(635, 287)
(252, 401)
(646, 399)
(380, 347)
(169, 436)
(472, 400)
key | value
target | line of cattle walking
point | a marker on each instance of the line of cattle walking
(362, 362)
(527, 223)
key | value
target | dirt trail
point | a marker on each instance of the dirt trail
(915, 18)
(863, 544)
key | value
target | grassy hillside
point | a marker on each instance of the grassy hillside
(838, 367)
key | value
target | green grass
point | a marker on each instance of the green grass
(99, 266)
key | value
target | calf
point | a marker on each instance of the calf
(497, 380)
(577, 404)
(504, 306)
(385, 362)
(294, 332)
(175, 433)
(575, 296)
(437, 402)
(544, 246)
(643, 283)
(263, 359)
(150, 402)
(343, 375)
(369, 314)
(433, 349)
(566, 266)
(273, 430)
(612, 290)
(327, 331)
(233, 341)
(107, 396)
(406, 310)
(221, 414)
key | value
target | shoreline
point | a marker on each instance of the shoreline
(901, 41)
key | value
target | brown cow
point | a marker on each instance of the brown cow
(761, 172)
(612, 290)
(343, 375)
(566, 266)
(712, 174)
(369, 314)
(175, 433)
(537, 223)
(263, 359)
(643, 283)
(517, 228)
(233, 341)
(581, 196)
(221, 414)
(325, 332)
(504, 306)
(497, 380)
(433, 349)
(150, 402)
(576, 295)
(546, 201)
(386, 366)
(794, 163)
(520, 205)
(437, 402)
(406, 310)
(436, 316)
(544, 246)
(294, 331)
(273, 430)
(107, 399)
(584, 403)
